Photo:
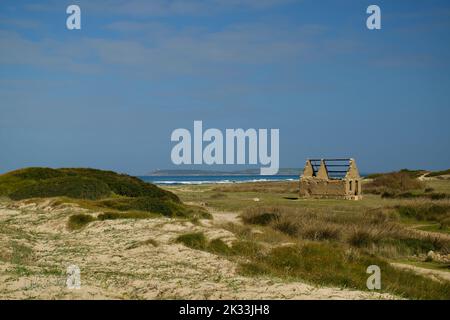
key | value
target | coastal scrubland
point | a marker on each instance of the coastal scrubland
(331, 242)
(246, 240)
(96, 189)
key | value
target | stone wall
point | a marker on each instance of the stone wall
(333, 189)
(322, 188)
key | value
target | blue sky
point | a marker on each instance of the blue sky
(109, 95)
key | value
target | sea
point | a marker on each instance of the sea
(214, 179)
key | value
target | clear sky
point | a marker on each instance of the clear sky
(109, 95)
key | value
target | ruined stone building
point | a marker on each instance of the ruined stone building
(331, 178)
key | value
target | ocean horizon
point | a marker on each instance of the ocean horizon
(214, 179)
(218, 179)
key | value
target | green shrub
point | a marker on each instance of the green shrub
(261, 219)
(164, 207)
(444, 223)
(124, 215)
(386, 194)
(197, 240)
(318, 263)
(142, 204)
(78, 221)
(438, 173)
(438, 196)
(381, 216)
(246, 248)
(406, 195)
(122, 184)
(100, 186)
(403, 243)
(362, 238)
(321, 232)
(411, 173)
(287, 226)
(14, 182)
(37, 173)
(427, 212)
(73, 187)
(414, 246)
(410, 195)
(217, 246)
(393, 183)
(20, 254)
(193, 240)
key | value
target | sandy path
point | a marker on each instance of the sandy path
(117, 261)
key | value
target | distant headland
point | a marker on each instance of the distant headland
(256, 171)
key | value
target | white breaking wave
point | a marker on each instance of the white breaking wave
(194, 182)
(191, 182)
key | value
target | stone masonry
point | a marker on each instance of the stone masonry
(324, 181)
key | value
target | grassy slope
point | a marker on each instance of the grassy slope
(91, 188)
(439, 173)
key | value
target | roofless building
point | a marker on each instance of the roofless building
(331, 179)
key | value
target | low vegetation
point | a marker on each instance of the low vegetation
(16, 253)
(411, 173)
(79, 183)
(193, 240)
(97, 189)
(376, 231)
(427, 212)
(198, 241)
(265, 187)
(411, 195)
(73, 187)
(162, 207)
(394, 183)
(332, 242)
(124, 215)
(439, 173)
(336, 265)
(78, 221)
(329, 264)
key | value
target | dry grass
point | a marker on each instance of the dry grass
(266, 187)
(322, 263)
(394, 183)
(377, 231)
(331, 242)
(426, 211)
(335, 265)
